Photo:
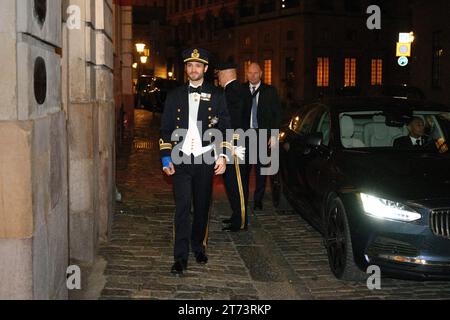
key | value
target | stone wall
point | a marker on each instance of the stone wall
(57, 145)
(123, 75)
(33, 153)
(91, 118)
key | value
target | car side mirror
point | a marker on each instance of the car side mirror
(314, 139)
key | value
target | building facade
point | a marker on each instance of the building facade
(123, 71)
(306, 48)
(430, 64)
(150, 27)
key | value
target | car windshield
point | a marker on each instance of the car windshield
(419, 131)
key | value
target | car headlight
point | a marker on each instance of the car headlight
(386, 209)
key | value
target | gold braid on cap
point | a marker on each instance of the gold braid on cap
(195, 56)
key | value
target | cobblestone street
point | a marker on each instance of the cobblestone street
(279, 257)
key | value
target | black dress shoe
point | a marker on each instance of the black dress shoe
(201, 258)
(178, 267)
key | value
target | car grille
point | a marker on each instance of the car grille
(390, 246)
(440, 222)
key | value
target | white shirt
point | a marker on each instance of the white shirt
(193, 141)
(414, 140)
(257, 100)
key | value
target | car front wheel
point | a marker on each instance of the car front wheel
(339, 244)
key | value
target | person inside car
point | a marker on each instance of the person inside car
(416, 137)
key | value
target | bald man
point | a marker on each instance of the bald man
(265, 113)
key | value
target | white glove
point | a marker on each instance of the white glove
(239, 152)
(216, 156)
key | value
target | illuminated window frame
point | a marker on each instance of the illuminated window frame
(323, 72)
(377, 72)
(268, 71)
(350, 72)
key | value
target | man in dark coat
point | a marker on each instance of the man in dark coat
(264, 103)
(235, 177)
(416, 139)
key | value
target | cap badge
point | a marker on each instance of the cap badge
(195, 54)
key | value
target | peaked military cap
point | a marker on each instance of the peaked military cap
(196, 55)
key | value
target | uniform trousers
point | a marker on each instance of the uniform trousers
(192, 184)
(261, 180)
(236, 185)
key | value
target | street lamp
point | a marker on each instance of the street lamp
(144, 54)
(140, 47)
(144, 59)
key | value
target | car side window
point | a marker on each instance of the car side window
(325, 127)
(310, 120)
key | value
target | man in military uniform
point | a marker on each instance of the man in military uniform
(235, 177)
(194, 107)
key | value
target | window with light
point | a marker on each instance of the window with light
(268, 71)
(350, 72)
(377, 72)
(323, 72)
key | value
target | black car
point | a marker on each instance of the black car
(375, 204)
(151, 92)
(398, 91)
